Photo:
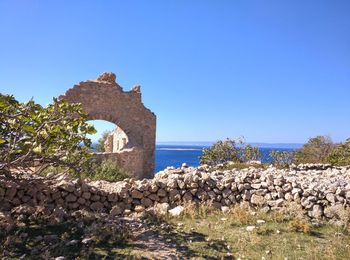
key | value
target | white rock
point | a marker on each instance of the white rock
(225, 209)
(161, 208)
(86, 240)
(250, 228)
(176, 211)
(72, 242)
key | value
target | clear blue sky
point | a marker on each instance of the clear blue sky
(273, 71)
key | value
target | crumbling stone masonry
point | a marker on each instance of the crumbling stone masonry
(132, 144)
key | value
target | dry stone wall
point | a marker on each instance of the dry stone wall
(104, 99)
(131, 160)
(322, 194)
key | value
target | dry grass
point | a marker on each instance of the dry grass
(193, 211)
(203, 232)
(241, 215)
(284, 234)
(300, 225)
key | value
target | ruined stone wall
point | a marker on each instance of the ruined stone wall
(131, 160)
(119, 140)
(321, 194)
(104, 99)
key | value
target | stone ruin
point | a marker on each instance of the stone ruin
(319, 192)
(132, 144)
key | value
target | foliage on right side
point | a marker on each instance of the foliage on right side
(236, 151)
(340, 155)
(316, 150)
(319, 149)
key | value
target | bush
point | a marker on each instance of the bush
(53, 136)
(321, 149)
(316, 150)
(229, 150)
(107, 170)
(100, 147)
(340, 155)
(249, 153)
(282, 158)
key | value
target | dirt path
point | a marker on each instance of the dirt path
(148, 243)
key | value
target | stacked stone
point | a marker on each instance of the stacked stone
(68, 194)
(311, 166)
(320, 190)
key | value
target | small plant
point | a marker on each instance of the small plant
(282, 158)
(194, 211)
(241, 215)
(300, 225)
(264, 231)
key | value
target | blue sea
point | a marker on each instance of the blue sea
(175, 155)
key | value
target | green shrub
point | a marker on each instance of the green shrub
(249, 153)
(52, 136)
(282, 158)
(320, 149)
(107, 170)
(316, 150)
(340, 155)
(100, 147)
(229, 150)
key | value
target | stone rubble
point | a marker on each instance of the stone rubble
(321, 190)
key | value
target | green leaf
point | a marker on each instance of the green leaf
(28, 128)
(38, 149)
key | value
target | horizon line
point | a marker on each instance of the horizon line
(218, 140)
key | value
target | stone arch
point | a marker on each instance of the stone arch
(104, 99)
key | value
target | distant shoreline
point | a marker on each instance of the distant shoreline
(179, 149)
(257, 144)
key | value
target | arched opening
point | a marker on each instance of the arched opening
(104, 99)
(109, 138)
(102, 127)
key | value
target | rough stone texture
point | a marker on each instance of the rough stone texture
(320, 193)
(104, 99)
(116, 141)
(131, 159)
